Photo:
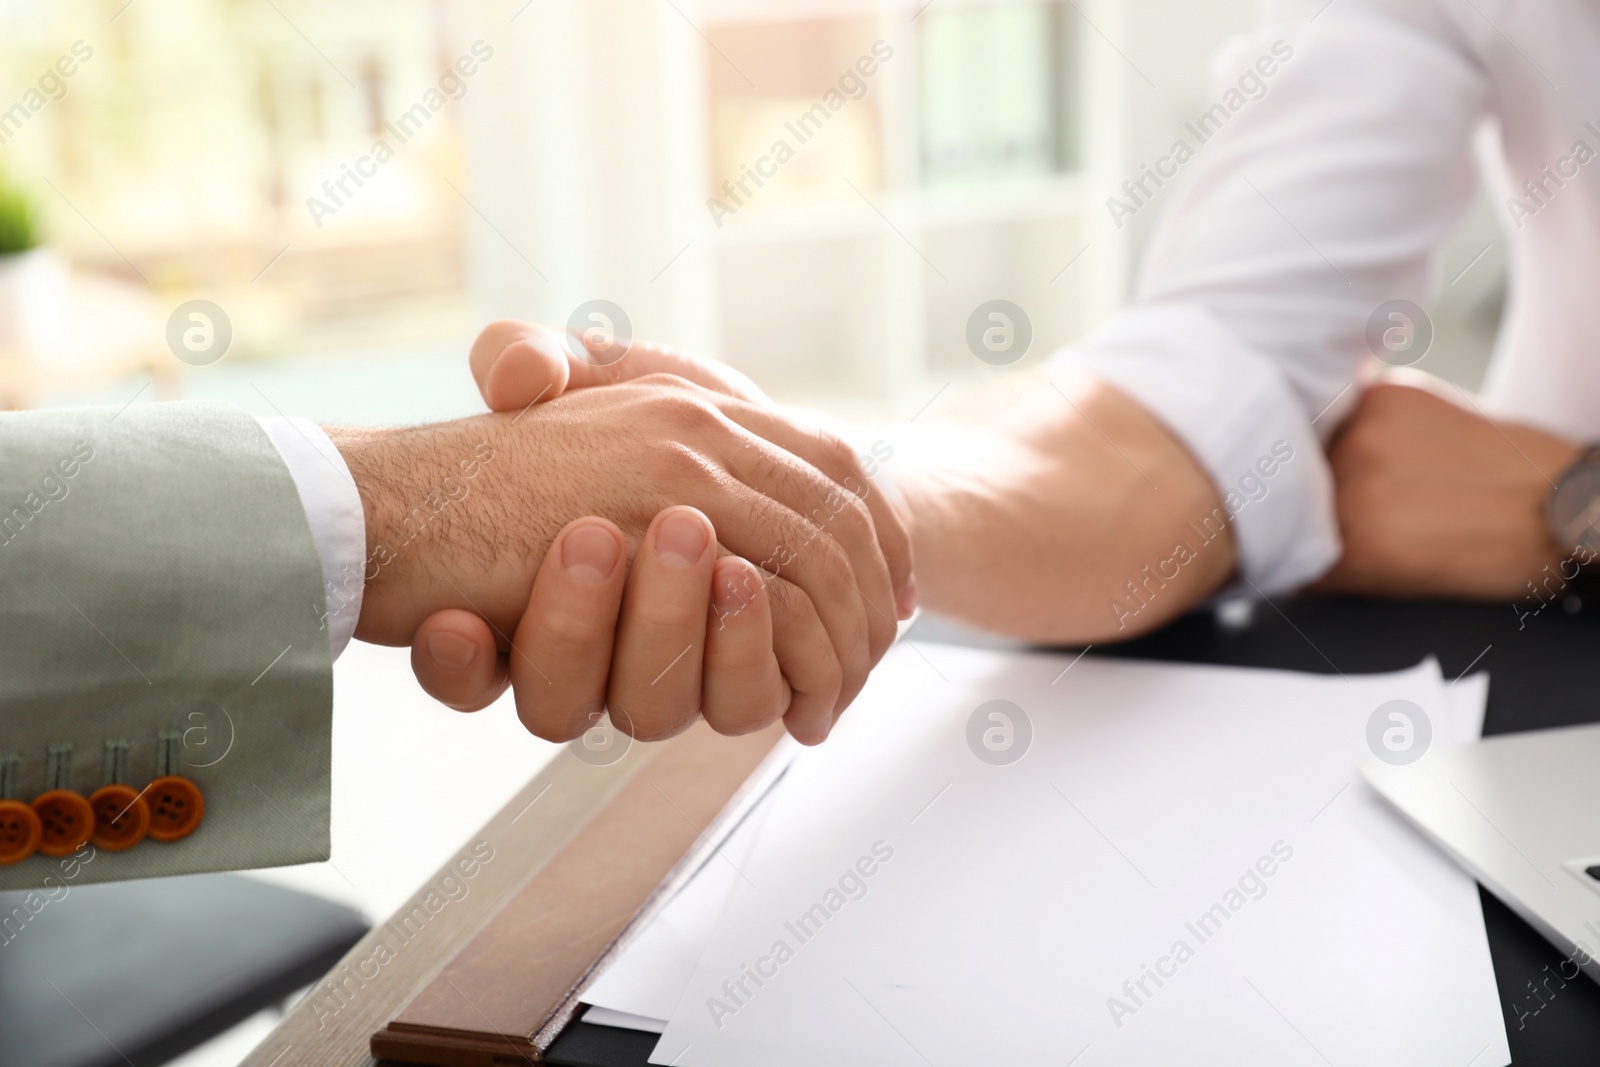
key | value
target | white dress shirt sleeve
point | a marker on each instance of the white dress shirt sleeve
(333, 508)
(1314, 203)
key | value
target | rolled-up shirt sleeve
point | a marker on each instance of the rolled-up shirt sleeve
(1301, 213)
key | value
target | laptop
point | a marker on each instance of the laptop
(1521, 812)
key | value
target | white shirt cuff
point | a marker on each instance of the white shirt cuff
(333, 509)
(1238, 416)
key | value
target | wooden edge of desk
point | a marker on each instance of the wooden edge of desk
(332, 1025)
(771, 749)
(511, 990)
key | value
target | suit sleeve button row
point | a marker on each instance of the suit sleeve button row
(114, 818)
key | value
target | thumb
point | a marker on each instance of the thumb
(518, 363)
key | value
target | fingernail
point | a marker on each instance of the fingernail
(682, 538)
(590, 553)
(733, 591)
(451, 651)
(906, 601)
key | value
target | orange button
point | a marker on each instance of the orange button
(176, 807)
(65, 819)
(19, 831)
(121, 817)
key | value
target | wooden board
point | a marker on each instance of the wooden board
(507, 994)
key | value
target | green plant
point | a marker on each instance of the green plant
(19, 223)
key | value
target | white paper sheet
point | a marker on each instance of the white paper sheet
(1045, 911)
(623, 1020)
(1468, 699)
(641, 987)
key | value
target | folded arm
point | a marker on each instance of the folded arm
(1307, 203)
(1056, 509)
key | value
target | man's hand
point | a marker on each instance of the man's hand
(814, 619)
(1434, 499)
(519, 364)
(665, 659)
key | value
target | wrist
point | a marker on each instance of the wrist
(368, 454)
(414, 485)
(1572, 506)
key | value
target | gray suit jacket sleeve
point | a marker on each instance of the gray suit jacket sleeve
(157, 573)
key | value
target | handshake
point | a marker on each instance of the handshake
(648, 535)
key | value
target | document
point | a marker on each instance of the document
(1022, 858)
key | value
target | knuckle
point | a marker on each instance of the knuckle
(831, 680)
(744, 716)
(821, 674)
(682, 404)
(842, 459)
(548, 720)
(814, 669)
(857, 652)
(543, 730)
(655, 694)
(837, 570)
(671, 620)
(655, 720)
(563, 633)
(777, 701)
(697, 412)
(856, 517)
(680, 462)
(880, 635)
(854, 663)
(831, 656)
(851, 629)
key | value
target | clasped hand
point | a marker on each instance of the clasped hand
(670, 545)
(1436, 499)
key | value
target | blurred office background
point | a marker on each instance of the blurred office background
(540, 154)
(357, 203)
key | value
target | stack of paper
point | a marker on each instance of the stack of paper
(1132, 864)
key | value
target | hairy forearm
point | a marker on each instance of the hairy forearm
(436, 524)
(1060, 511)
